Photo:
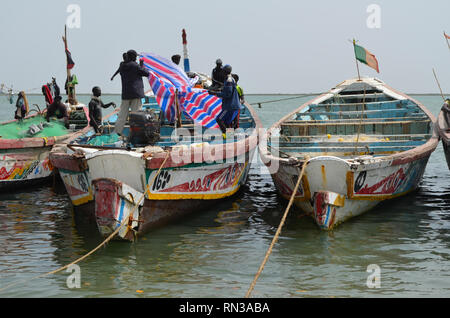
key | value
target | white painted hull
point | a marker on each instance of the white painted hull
(334, 190)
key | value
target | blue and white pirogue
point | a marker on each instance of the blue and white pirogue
(364, 143)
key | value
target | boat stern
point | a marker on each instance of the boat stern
(115, 203)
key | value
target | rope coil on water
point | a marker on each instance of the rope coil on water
(124, 222)
(277, 234)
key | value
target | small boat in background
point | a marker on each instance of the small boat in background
(363, 142)
(443, 126)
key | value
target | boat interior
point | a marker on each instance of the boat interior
(168, 134)
(358, 120)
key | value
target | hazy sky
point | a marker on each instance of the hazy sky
(274, 46)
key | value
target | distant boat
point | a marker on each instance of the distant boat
(107, 182)
(444, 132)
(363, 142)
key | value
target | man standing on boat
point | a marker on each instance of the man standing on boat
(230, 101)
(218, 76)
(95, 109)
(125, 58)
(132, 88)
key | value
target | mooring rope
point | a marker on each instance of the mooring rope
(277, 234)
(124, 222)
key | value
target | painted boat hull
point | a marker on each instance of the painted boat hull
(444, 133)
(110, 183)
(25, 162)
(103, 190)
(335, 188)
(19, 169)
(332, 191)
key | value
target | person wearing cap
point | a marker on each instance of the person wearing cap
(230, 101)
(132, 88)
(218, 75)
(176, 59)
(95, 109)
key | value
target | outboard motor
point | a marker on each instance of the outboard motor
(144, 128)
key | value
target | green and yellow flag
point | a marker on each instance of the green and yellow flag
(365, 57)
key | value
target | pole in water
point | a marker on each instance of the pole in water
(185, 53)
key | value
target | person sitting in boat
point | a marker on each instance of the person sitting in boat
(230, 101)
(446, 111)
(59, 110)
(176, 59)
(218, 76)
(132, 88)
(95, 109)
(21, 106)
(125, 59)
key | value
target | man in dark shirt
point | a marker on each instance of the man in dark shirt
(95, 109)
(125, 59)
(132, 88)
(218, 76)
(230, 101)
(58, 109)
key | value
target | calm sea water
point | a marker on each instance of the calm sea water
(216, 253)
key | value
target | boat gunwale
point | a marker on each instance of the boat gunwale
(402, 157)
(155, 159)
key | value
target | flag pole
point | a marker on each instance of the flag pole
(70, 93)
(437, 81)
(446, 39)
(187, 68)
(356, 60)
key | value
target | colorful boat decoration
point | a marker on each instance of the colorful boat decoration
(25, 160)
(151, 185)
(443, 126)
(363, 143)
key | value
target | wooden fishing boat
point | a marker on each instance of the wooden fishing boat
(173, 176)
(25, 144)
(444, 132)
(363, 142)
(24, 160)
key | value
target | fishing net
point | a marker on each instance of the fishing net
(104, 140)
(35, 126)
